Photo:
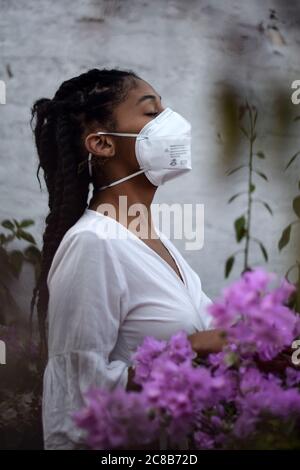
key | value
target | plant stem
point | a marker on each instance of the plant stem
(297, 307)
(249, 202)
(163, 439)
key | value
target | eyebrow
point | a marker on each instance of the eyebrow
(147, 97)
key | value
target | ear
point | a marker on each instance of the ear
(100, 145)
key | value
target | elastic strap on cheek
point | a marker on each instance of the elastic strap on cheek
(123, 179)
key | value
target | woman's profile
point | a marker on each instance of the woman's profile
(103, 287)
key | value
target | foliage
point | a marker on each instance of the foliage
(20, 391)
(20, 378)
(242, 224)
(286, 234)
(11, 262)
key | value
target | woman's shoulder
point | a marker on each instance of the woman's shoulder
(88, 240)
(95, 231)
(91, 227)
(94, 223)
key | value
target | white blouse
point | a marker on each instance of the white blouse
(106, 293)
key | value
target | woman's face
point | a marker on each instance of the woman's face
(142, 105)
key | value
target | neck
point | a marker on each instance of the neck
(121, 199)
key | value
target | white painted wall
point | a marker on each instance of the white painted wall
(187, 50)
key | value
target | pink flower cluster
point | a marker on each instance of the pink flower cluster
(255, 316)
(216, 404)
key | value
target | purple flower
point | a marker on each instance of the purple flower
(218, 404)
(178, 350)
(203, 440)
(292, 376)
(256, 318)
(262, 394)
(116, 419)
(144, 357)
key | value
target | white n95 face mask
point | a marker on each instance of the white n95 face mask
(162, 148)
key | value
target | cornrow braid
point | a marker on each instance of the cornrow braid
(58, 128)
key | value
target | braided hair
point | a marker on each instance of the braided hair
(59, 126)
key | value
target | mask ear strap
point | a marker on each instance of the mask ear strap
(125, 134)
(122, 179)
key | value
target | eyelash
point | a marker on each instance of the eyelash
(151, 114)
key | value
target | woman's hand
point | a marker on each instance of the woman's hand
(131, 385)
(208, 341)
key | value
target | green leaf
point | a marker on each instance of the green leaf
(267, 207)
(255, 117)
(26, 222)
(16, 261)
(231, 359)
(32, 254)
(8, 224)
(240, 229)
(285, 237)
(296, 206)
(4, 260)
(244, 132)
(230, 172)
(264, 204)
(4, 239)
(16, 223)
(252, 188)
(228, 266)
(26, 236)
(261, 174)
(234, 197)
(292, 159)
(260, 155)
(263, 250)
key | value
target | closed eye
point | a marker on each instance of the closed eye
(151, 114)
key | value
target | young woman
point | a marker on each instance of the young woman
(100, 294)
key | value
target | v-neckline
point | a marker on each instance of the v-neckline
(160, 236)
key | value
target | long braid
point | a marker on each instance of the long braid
(60, 123)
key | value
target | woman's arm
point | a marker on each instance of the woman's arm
(203, 342)
(208, 341)
(87, 291)
(131, 385)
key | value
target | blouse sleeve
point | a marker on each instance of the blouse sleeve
(87, 300)
(207, 318)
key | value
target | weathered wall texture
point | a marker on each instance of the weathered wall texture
(189, 51)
